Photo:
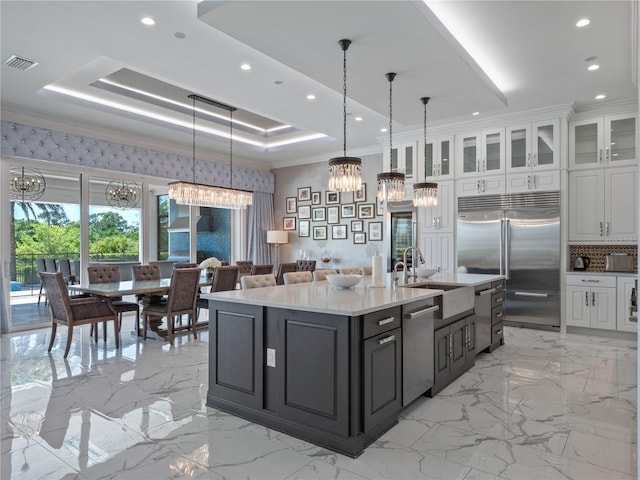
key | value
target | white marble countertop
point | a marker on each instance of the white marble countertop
(322, 297)
(459, 279)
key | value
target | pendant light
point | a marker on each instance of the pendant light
(345, 173)
(425, 194)
(26, 184)
(391, 184)
(192, 193)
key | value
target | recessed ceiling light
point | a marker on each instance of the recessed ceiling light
(311, 96)
(180, 35)
(245, 66)
(600, 97)
(583, 22)
(278, 82)
(593, 67)
(475, 113)
(358, 119)
(383, 130)
(147, 21)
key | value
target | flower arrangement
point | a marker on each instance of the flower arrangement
(210, 263)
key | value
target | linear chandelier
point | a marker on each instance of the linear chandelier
(391, 184)
(345, 173)
(425, 194)
(193, 193)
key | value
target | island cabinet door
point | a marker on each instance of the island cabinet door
(236, 354)
(382, 378)
(470, 341)
(442, 346)
(312, 369)
(458, 332)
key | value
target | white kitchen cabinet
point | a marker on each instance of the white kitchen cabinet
(440, 217)
(624, 288)
(603, 205)
(591, 301)
(602, 141)
(487, 185)
(480, 153)
(532, 147)
(403, 159)
(533, 181)
(437, 165)
(438, 250)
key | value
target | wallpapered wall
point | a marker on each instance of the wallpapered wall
(42, 144)
(344, 252)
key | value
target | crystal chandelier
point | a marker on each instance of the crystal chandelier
(27, 184)
(192, 193)
(345, 173)
(391, 184)
(121, 194)
(425, 194)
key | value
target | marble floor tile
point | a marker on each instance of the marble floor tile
(543, 406)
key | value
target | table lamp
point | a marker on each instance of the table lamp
(277, 238)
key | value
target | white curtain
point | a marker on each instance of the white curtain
(261, 219)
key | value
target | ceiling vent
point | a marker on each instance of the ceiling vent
(20, 63)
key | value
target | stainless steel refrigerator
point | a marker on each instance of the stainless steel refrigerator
(517, 236)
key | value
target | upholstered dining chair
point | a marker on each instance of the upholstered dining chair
(224, 278)
(41, 267)
(297, 277)
(185, 265)
(261, 269)
(351, 271)
(244, 268)
(111, 274)
(146, 272)
(64, 266)
(258, 281)
(51, 265)
(75, 311)
(282, 269)
(321, 274)
(181, 300)
(305, 265)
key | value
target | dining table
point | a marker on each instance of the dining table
(151, 292)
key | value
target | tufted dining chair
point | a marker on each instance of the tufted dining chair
(305, 265)
(244, 268)
(181, 300)
(282, 269)
(258, 281)
(261, 269)
(41, 267)
(297, 277)
(321, 274)
(351, 271)
(224, 278)
(145, 272)
(75, 311)
(111, 274)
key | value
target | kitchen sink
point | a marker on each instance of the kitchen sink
(455, 298)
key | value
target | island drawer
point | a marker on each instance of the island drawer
(497, 335)
(498, 286)
(379, 322)
(497, 315)
(497, 299)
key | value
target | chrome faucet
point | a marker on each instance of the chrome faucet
(413, 262)
(394, 274)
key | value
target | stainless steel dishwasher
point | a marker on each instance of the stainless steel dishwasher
(417, 348)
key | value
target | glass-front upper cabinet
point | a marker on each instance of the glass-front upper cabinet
(438, 161)
(602, 141)
(480, 153)
(402, 160)
(533, 146)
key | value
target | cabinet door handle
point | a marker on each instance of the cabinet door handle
(586, 298)
(601, 228)
(498, 332)
(528, 182)
(484, 165)
(528, 159)
(384, 321)
(606, 229)
(606, 155)
(593, 299)
(388, 339)
(499, 315)
(433, 222)
(484, 185)
(499, 300)
(478, 186)
(600, 157)
(439, 223)
(477, 166)
(590, 280)
(535, 161)
(534, 181)
(424, 311)
(450, 345)
(488, 291)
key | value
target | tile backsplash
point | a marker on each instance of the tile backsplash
(596, 254)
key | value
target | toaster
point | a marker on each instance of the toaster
(618, 262)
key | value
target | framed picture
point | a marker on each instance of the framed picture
(360, 237)
(316, 198)
(349, 210)
(357, 226)
(365, 210)
(292, 205)
(304, 211)
(304, 228)
(318, 214)
(360, 195)
(379, 207)
(332, 198)
(320, 232)
(304, 194)
(333, 214)
(289, 223)
(375, 231)
(339, 232)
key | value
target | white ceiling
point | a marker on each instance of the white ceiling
(520, 55)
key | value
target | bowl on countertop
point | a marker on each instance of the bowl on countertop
(425, 272)
(341, 280)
